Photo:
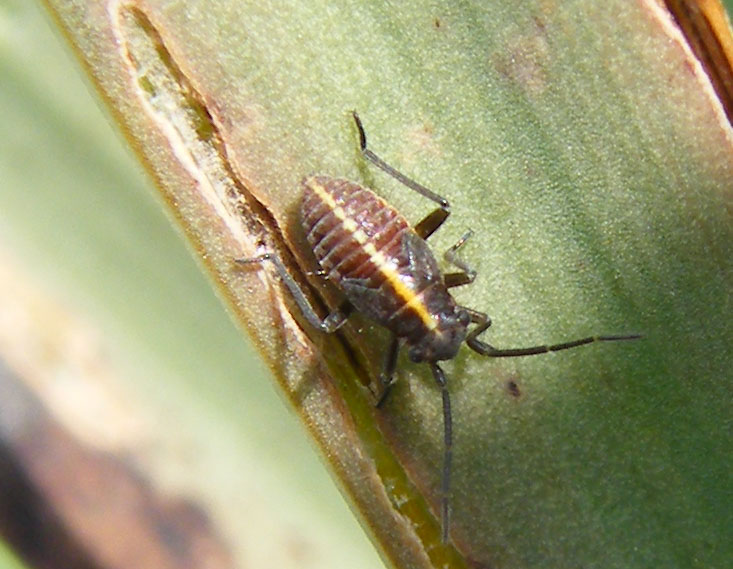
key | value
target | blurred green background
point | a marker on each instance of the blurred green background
(80, 218)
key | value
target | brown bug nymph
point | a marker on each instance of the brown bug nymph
(388, 273)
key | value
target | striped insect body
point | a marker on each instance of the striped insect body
(386, 270)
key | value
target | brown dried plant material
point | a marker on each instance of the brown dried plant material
(706, 26)
(64, 504)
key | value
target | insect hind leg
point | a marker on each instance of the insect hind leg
(330, 323)
(431, 222)
(397, 175)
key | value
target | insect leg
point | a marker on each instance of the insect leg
(485, 349)
(467, 274)
(382, 165)
(439, 376)
(431, 222)
(331, 323)
(388, 369)
(452, 280)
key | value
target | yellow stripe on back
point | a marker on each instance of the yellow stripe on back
(412, 300)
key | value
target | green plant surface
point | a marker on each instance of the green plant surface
(584, 147)
(190, 402)
(7, 559)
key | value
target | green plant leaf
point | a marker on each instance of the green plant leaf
(587, 150)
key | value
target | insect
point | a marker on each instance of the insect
(387, 272)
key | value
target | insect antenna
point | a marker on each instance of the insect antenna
(488, 350)
(439, 376)
(484, 322)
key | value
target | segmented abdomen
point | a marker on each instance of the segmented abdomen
(386, 270)
(352, 231)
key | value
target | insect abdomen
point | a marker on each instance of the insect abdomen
(369, 250)
(352, 232)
